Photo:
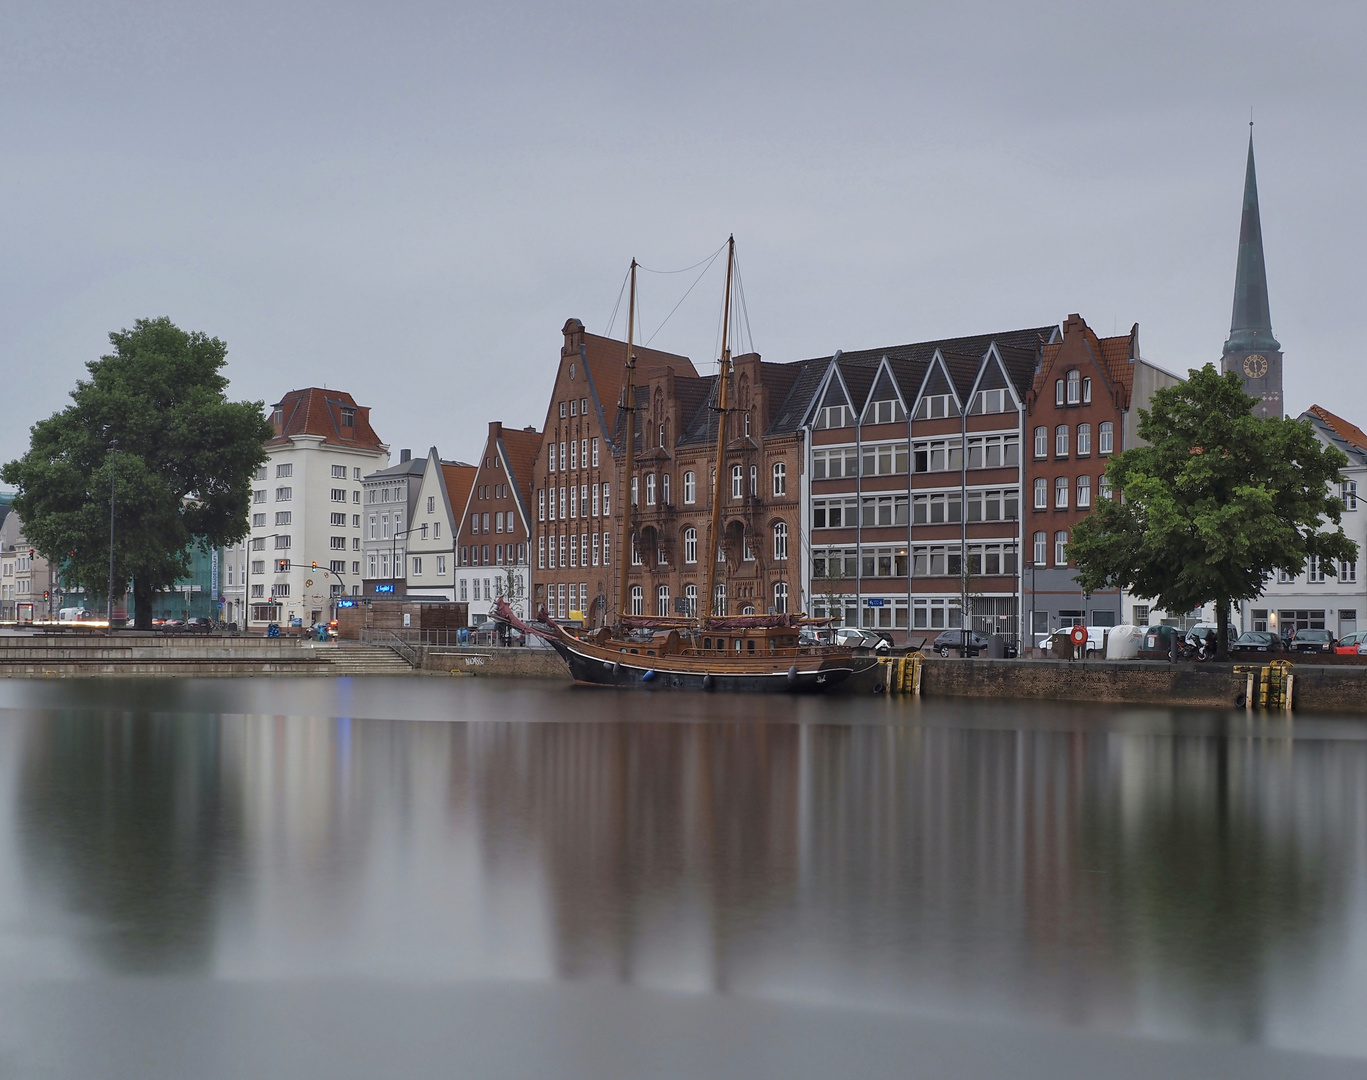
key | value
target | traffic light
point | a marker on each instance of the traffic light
(315, 566)
(47, 596)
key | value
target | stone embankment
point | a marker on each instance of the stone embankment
(132, 654)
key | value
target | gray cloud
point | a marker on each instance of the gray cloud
(408, 200)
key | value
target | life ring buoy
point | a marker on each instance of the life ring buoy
(1078, 635)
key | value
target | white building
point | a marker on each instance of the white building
(441, 499)
(1322, 596)
(305, 543)
(389, 496)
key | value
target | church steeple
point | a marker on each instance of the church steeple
(1251, 326)
(1251, 351)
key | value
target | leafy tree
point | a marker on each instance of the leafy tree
(153, 420)
(1217, 500)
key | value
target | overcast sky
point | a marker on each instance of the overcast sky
(407, 200)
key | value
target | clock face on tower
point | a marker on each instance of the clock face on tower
(1255, 365)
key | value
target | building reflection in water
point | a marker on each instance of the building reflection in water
(1043, 866)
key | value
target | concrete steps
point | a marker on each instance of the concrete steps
(350, 659)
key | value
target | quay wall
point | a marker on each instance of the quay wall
(515, 663)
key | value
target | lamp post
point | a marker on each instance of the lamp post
(247, 576)
(109, 598)
(393, 559)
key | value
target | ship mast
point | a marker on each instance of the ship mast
(628, 403)
(723, 382)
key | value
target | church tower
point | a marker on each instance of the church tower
(1252, 352)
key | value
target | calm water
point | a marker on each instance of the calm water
(431, 877)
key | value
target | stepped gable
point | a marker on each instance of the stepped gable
(606, 358)
(319, 413)
(1114, 358)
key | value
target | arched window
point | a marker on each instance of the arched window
(637, 600)
(781, 541)
(781, 597)
(1058, 392)
(1041, 442)
(1084, 440)
(690, 487)
(664, 488)
(719, 600)
(1041, 493)
(1086, 391)
(1060, 549)
(1074, 387)
(1084, 492)
(1041, 549)
(690, 545)
(662, 601)
(1060, 493)
(691, 598)
(737, 482)
(754, 480)
(650, 489)
(1061, 441)
(780, 480)
(1105, 438)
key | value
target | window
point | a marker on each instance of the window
(781, 540)
(1141, 616)
(1084, 440)
(1000, 504)
(1348, 572)
(1074, 387)
(935, 613)
(991, 401)
(690, 488)
(935, 406)
(258, 521)
(635, 488)
(945, 508)
(1058, 392)
(1041, 493)
(333, 519)
(940, 455)
(1084, 492)
(662, 601)
(1041, 442)
(1061, 441)
(1060, 549)
(282, 541)
(282, 566)
(834, 416)
(691, 598)
(259, 590)
(1349, 493)
(939, 560)
(337, 566)
(650, 489)
(281, 589)
(348, 417)
(337, 543)
(993, 451)
(563, 407)
(1314, 569)
(842, 461)
(690, 545)
(875, 562)
(737, 482)
(574, 405)
(884, 412)
(719, 599)
(261, 472)
(637, 600)
(562, 506)
(259, 495)
(781, 595)
(607, 512)
(780, 479)
(1103, 487)
(664, 489)
(1086, 391)
(754, 480)
(540, 553)
(284, 470)
(574, 455)
(607, 544)
(1041, 549)
(1105, 438)
(550, 459)
(635, 552)
(991, 560)
(1060, 493)
(574, 507)
(563, 457)
(880, 459)
(339, 472)
(595, 549)
(284, 494)
(356, 498)
(338, 495)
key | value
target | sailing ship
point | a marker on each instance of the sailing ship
(778, 652)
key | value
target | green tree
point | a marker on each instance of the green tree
(154, 421)
(1217, 500)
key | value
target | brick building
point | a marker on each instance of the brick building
(1081, 409)
(497, 525)
(760, 564)
(573, 477)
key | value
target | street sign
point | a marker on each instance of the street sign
(874, 601)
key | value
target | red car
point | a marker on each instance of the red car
(1348, 644)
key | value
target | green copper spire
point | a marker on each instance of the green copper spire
(1251, 327)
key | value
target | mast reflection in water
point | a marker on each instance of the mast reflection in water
(1143, 872)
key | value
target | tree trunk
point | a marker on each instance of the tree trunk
(142, 601)
(1222, 633)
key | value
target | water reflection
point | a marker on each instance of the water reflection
(1004, 862)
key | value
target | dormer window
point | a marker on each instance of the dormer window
(1075, 388)
(348, 417)
(278, 417)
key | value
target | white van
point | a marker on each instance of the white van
(72, 614)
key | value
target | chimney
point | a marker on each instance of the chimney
(405, 456)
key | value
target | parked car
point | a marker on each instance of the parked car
(1311, 641)
(861, 639)
(953, 640)
(171, 626)
(198, 625)
(1348, 644)
(1258, 641)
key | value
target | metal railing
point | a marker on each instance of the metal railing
(391, 640)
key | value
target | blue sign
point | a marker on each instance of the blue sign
(875, 601)
(346, 603)
(384, 588)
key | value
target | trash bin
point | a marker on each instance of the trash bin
(996, 647)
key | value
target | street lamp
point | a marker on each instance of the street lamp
(247, 575)
(109, 599)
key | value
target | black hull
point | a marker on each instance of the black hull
(638, 672)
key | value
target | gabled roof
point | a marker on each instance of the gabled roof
(412, 467)
(458, 479)
(317, 412)
(1350, 434)
(1114, 356)
(519, 448)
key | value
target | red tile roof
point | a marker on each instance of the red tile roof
(459, 479)
(1349, 433)
(1112, 356)
(521, 448)
(317, 412)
